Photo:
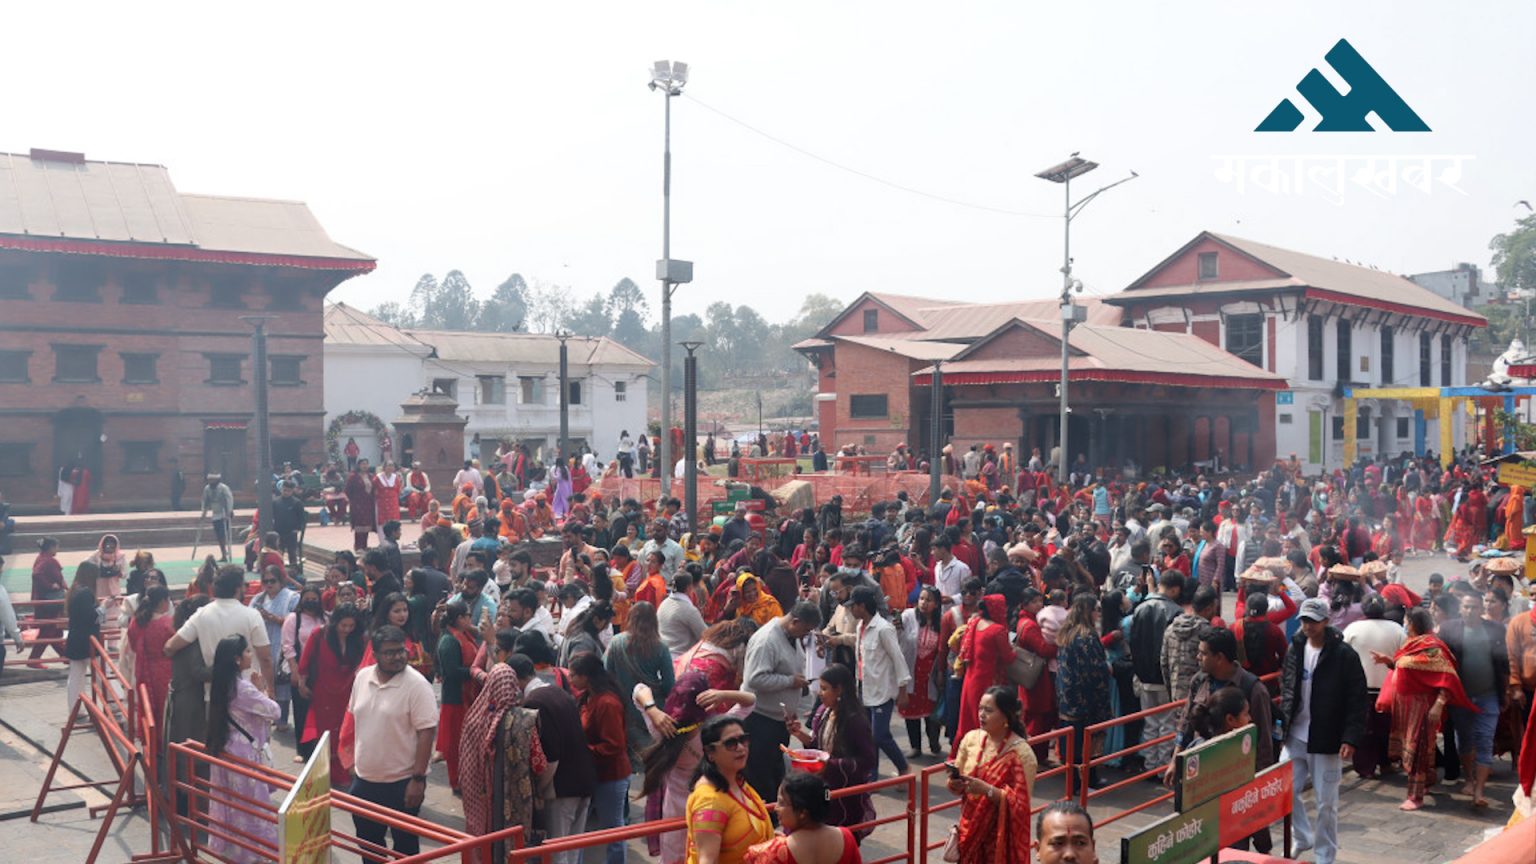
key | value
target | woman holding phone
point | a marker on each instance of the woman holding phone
(994, 771)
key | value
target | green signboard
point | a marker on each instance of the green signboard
(1183, 838)
(1216, 766)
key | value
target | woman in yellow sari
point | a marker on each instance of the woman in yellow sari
(749, 600)
(724, 815)
(996, 776)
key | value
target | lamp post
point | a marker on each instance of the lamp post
(565, 398)
(668, 77)
(936, 431)
(691, 432)
(1071, 313)
(263, 419)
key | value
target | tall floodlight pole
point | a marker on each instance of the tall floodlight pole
(565, 399)
(936, 431)
(669, 77)
(1071, 313)
(263, 420)
(691, 432)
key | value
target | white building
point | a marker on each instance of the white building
(1327, 326)
(507, 384)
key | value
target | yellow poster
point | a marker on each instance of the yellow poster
(304, 817)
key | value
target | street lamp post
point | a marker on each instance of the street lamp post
(669, 77)
(263, 420)
(936, 431)
(1071, 313)
(691, 432)
(565, 398)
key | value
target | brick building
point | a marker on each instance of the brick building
(121, 341)
(1150, 399)
(1328, 327)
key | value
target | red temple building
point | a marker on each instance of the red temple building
(123, 348)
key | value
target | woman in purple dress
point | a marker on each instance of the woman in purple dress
(239, 722)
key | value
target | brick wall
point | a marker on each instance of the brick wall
(868, 371)
(182, 326)
(1232, 266)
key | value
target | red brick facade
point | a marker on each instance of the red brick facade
(162, 334)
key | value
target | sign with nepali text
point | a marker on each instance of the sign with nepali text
(1222, 763)
(1183, 838)
(1262, 801)
(304, 817)
(1517, 474)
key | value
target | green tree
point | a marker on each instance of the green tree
(453, 306)
(507, 310)
(625, 296)
(591, 319)
(550, 307)
(1514, 256)
(396, 313)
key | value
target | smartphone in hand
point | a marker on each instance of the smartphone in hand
(953, 769)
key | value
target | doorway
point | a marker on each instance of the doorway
(77, 441)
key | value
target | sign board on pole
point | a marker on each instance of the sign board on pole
(304, 817)
(1222, 763)
(1264, 800)
(1517, 474)
(1183, 838)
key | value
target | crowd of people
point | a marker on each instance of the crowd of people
(688, 669)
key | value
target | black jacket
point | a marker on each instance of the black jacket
(1340, 703)
(83, 624)
(561, 736)
(1148, 624)
(1453, 634)
(288, 514)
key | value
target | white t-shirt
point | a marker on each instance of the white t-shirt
(1301, 724)
(388, 715)
(1375, 635)
(221, 618)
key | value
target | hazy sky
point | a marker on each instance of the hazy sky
(520, 137)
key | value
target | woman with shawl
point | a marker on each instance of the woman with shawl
(984, 652)
(1514, 519)
(996, 777)
(109, 560)
(749, 600)
(1464, 531)
(387, 485)
(840, 727)
(80, 480)
(1426, 522)
(921, 627)
(1423, 682)
(497, 717)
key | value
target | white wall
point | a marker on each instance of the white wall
(377, 380)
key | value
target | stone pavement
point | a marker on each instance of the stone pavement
(32, 710)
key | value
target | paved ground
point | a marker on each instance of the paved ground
(32, 712)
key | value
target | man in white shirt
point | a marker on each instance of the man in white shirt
(949, 572)
(574, 600)
(1369, 636)
(678, 619)
(395, 712)
(471, 475)
(226, 616)
(661, 541)
(883, 672)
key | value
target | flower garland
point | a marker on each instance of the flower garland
(351, 418)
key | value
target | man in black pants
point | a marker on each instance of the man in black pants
(396, 715)
(774, 672)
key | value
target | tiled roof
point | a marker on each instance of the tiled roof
(347, 325)
(67, 198)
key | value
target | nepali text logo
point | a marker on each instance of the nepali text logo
(1345, 112)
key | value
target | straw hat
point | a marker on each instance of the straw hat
(1373, 568)
(1257, 574)
(1344, 571)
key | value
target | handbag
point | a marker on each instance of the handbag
(952, 845)
(1025, 669)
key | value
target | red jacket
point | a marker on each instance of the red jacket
(602, 718)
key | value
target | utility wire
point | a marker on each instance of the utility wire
(865, 174)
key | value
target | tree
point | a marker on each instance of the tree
(1514, 256)
(629, 330)
(452, 306)
(507, 310)
(816, 310)
(549, 307)
(592, 319)
(395, 313)
(626, 296)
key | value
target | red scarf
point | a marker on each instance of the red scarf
(1422, 667)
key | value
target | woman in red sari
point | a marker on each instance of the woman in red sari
(1464, 531)
(327, 666)
(996, 776)
(807, 839)
(1426, 523)
(1385, 542)
(1174, 557)
(984, 652)
(1422, 684)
